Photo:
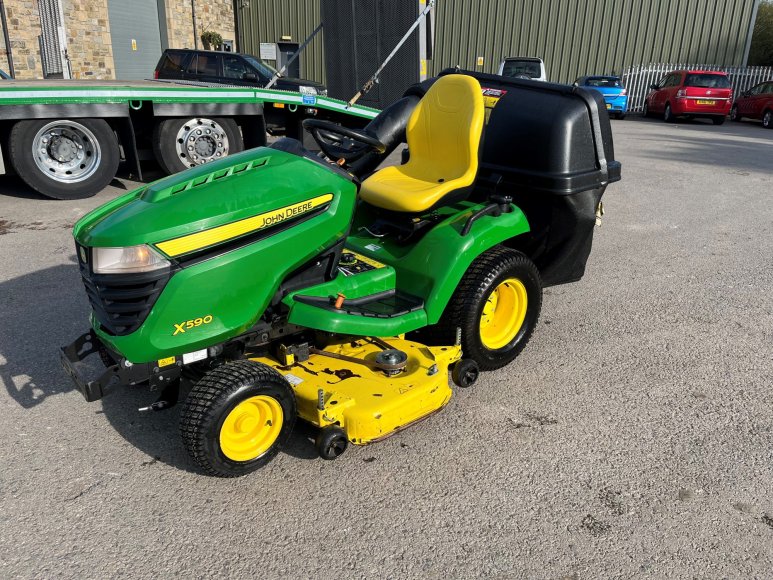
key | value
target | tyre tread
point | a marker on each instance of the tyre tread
(479, 276)
(200, 407)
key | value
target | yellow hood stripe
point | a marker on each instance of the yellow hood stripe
(224, 233)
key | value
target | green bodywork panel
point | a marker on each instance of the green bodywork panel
(138, 94)
(430, 269)
(234, 280)
(233, 287)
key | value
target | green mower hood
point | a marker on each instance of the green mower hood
(231, 231)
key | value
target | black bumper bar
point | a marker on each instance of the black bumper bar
(119, 374)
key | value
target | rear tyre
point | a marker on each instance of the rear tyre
(620, 116)
(496, 305)
(718, 120)
(237, 418)
(767, 119)
(180, 144)
(668, 114)
(734, 116)
(65, 158)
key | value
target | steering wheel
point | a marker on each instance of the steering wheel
(338, 142)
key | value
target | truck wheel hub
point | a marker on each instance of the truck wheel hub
(200, 141)
(66, 151)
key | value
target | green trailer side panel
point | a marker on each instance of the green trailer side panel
(141, 93)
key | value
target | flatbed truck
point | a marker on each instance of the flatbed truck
(66, 139)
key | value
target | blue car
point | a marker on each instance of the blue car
(613, 90)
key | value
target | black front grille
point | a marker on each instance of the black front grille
(121, 302)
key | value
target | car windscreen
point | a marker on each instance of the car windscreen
(707, 81)
(605, 82)
(519, 67)
(264, 69)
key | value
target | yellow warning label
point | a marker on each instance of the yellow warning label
(369, 261)
(165, 362)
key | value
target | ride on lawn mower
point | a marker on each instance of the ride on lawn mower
(278, 283)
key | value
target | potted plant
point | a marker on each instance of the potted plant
(211, 39)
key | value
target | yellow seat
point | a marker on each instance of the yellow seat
(443, 136)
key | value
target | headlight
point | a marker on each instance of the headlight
(127, 260)
(306, 90)
(322, 92)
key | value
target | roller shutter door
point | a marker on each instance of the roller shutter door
(136, 36)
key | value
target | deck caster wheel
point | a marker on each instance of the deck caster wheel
(465, 373)
(331, 442)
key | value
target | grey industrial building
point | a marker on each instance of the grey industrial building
(574, 37)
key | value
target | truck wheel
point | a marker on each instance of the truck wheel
(237, 418)
(496, 306)
(65, 159)
(184, 143)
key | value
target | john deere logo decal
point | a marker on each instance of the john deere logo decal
(224, 233)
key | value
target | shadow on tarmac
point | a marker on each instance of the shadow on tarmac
(47, 309)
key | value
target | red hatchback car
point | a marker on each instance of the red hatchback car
(756, 103)
(691, 93)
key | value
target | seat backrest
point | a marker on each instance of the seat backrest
(443, 133)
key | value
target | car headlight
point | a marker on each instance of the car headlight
(132, 259)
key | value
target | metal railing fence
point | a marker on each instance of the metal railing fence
(638, 78)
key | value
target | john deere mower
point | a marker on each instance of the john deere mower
(279, 284)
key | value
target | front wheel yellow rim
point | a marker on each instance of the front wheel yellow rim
(503, 314)
(251, 428)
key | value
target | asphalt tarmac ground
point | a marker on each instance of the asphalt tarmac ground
(632, 438)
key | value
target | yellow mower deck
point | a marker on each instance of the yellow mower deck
(367, 403)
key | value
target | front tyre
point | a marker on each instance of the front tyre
(65, 158)
(767, 119)
(180, 144)
(496, 306)
(237, 418)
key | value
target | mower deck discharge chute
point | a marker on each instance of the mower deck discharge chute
(277, 283)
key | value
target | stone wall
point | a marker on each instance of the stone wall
(89, 45)
(215, 15)
(23, 29)
(87, 25)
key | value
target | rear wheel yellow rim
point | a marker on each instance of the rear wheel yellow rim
(503, 314)
(251, 428)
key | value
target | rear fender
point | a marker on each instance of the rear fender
(433, 268)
